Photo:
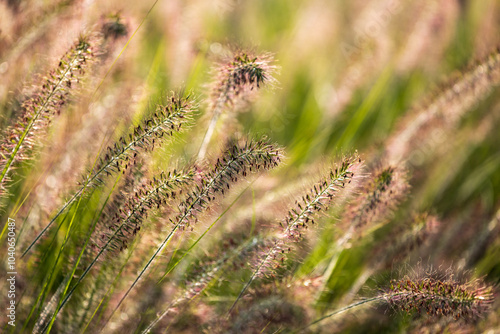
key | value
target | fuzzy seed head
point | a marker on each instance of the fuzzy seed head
(239, 77)
(378, 197)
(238, 160)
(440, 298)
(319, 198)
(316, 200)
(39, 110)
(123, 222)
(162, 124)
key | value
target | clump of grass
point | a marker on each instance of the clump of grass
(237, 161)
(236, 80)
(164, 122)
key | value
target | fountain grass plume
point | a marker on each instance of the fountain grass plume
(124, 222)
(237, 161)
(315, 201)
(163, 123)
(38, 111)
(378, 197)
(429, 296)
(436, 298)
(236, 80)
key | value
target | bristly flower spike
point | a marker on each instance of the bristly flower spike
(252, 156)
(315, 201)
(237, 161)
(378, 197)
(122, 226)
(432, 297)
(240, 76)
(166, 121)
(236, 80)
(318, 199)
(444, 110)
(40, 109)
(440, 297)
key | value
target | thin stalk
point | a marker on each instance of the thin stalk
(109, 292)
(63, 246)
(341, 310)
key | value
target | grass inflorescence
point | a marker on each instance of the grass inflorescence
(217, 214)
(45, 103)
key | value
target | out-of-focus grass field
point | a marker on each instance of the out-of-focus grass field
(351, 76)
